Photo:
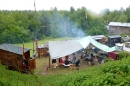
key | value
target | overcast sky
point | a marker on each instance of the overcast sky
(93, 5)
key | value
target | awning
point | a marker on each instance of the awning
(59, 49)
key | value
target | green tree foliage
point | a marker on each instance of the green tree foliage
(121, 15)
(122, 18)
(127, 13)
(18, 26)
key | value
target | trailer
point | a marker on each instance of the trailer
(113, 39)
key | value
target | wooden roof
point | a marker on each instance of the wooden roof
(12, 48)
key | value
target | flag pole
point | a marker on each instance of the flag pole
(35, 36)
(34, 6)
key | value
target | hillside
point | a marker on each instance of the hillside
(110, 73)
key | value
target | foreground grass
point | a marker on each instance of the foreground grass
(108, 74)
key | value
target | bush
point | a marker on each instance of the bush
(122, 55)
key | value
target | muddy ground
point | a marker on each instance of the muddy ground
(42, 66)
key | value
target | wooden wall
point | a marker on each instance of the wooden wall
(14, 61)
(118, 30)
(42, 52)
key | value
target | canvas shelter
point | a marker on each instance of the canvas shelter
(59, 49)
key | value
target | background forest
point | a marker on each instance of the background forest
(18, 26)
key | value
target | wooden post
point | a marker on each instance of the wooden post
(39, 52)
(49, 61)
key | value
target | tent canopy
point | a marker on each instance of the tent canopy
(59, 49)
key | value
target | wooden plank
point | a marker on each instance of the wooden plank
(31, 64)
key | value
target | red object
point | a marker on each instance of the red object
(61, 61)
(24, 66)
(47, 68)
(113, 55)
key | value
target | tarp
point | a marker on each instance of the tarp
(86, 40)
(126, 46)
(59, 49)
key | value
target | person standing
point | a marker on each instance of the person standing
(102, 60)
(74, 57)
(95, 60)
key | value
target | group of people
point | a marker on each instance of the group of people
(92, 58)
(68, 61)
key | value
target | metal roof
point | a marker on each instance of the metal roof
(13, 49)
(119, 24)
(98, 36)
(114, 36)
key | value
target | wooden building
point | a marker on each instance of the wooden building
(118, 28)
(11, 56)
(43, 51)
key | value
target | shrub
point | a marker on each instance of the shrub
(122, 54)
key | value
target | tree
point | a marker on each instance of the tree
(127, 13)
(122, 18)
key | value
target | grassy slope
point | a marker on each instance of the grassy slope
(111, 73)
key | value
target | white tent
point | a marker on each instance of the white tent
(59, 49)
